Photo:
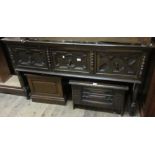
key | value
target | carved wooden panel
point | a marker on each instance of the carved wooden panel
(72, 61)
(30, 58)
(120, 64)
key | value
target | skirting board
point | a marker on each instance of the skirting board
(12, 90)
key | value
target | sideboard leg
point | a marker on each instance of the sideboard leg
(24, 84)
(133, 104)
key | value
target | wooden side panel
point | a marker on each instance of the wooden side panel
(149, 109)
(4, 69)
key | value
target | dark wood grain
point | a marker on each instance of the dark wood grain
(29, 57)
(124, 64)
(97, 41)
(99, 95)
(4, 69)
(120, 63)
(46, 89)
(148, 108)
(12, 90)
(150, 102)
(71, 61)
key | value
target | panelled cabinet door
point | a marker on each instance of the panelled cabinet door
(46, 89)
(42, 85)
(72, 61)
(27, 57)
(123, 64)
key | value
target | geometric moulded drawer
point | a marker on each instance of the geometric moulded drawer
(126, 64)
(73, 61)
(46, 89)
(99, 95)
(29, 57)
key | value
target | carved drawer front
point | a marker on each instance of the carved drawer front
(110, 97)
(72, 61)
(126, 64)
(46, 89)
(31, 58)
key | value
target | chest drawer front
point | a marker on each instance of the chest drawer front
(124, 64)
(72, 61)
(31, 58)
(98, 96)
(110, 97)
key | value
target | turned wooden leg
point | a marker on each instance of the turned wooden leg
(74, 106)
(24, 84)
(133, 104)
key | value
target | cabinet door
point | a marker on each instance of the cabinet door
(125, 64)
(45, 86)
(72, 61)
(31, 58)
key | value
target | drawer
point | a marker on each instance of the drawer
(30, 58)
(122, 63)
(98, 95)
(71, 61)
(46, 89)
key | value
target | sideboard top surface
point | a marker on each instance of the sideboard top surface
(129, 42)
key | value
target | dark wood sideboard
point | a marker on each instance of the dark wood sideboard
(102, 74)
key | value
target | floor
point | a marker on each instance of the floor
(12, 81)
(19, 106)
